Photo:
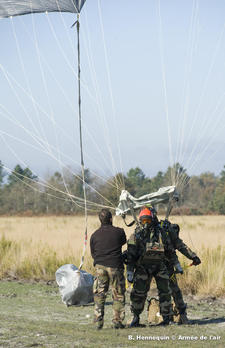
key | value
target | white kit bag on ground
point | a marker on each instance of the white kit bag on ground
(76, 287)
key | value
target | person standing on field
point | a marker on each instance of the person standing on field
(145, 260)
(106, 249)
(175, 243)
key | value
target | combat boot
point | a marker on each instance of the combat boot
(98, 324)
(135, 321)
(166, 321)
(183, 319)
(118, 325)
(171, 319)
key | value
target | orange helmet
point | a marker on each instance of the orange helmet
(145, 216)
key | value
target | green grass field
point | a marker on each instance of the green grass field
(32, 315)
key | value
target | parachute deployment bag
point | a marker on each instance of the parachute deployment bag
(75, 286)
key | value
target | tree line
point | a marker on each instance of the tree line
(23, 193)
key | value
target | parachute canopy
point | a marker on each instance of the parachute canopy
(10, 8)
(128, 202)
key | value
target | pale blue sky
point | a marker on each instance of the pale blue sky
(165, 67)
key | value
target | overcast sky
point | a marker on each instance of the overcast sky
(153, 87)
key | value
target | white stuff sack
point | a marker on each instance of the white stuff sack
(76, 287)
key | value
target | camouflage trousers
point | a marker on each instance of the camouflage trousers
(176, 291)
(106, 276)
(142, 280)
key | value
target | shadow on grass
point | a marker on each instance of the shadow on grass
(83, 305)
(107, 303)
(207, 320)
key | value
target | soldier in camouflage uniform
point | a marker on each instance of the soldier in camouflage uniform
(145, 260)
(106, 249)
(103, 277)
(172, 230)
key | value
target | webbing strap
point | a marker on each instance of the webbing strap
(81, 142)
(169, 209)
(130, 224)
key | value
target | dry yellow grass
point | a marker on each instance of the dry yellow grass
(65, 235)
(42, 244)
(201, 231)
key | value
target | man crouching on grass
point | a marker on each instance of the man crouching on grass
(106, 249)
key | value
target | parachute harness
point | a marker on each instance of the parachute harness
(77, 23)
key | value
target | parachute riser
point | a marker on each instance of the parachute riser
(174, 198)
(124, 220)
(169, 209)
(77, 24)
(133, 214)
(79, 88)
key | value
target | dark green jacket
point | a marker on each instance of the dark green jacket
(177, 243)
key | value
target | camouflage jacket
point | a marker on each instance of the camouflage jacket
(172, 230)
(138, 242)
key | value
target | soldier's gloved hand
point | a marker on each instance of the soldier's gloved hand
(196, 261)
(130, 276)
(178, 268)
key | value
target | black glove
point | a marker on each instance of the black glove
(178, 268)
(196, 261)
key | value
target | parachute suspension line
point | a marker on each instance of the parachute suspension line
(198, 149)
(119, 178)
(203, 125)
(99, 98)
(39, 142)
(50, 106)
(44, 145)
(84, 126)
(185, 105)
(44, 80)
(186, 88)
(81, 140)
(169, 209)
(28, 86)
(165, 93)
(59, 160)
(203, 151)
(68, 63)
(43, 183)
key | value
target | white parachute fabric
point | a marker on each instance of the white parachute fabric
(76, 287)
(127, 202)
(10, 8)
